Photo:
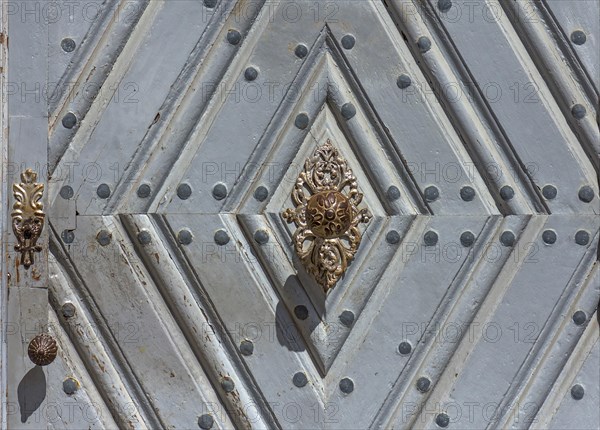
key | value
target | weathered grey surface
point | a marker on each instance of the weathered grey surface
(164, 315)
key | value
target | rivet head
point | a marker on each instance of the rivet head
(250, 74)
(404, 348)
(144, 237)
(347, 318)
(507, 193)
(431, 194)
(299, 379)
(346, 385)
(301, 312)
(103, 191)
(103, 237)
(582, 237)
(70, 386)
(467, 239)
(549, 192)
(227, 384)
(184, 191)
(301, 51)
(403, 81)
(430, 238)
(261, 193)
(578, 111)
(246, 347)
(424, 44)
(68, 44)
(586, 194)
(66, 192)
(348, 41)
(68, 310)
(467, 193)
(549, 237)
(301, 121)
(221, 237)
(219, 191)
(393, 237)
(578, 37)
(206, 422)
(348, 111)
(442, 420)
(507, 238)
(577, 392)
(67, 236)
(69, 120)
(393, 193)
(579, 317)
(234, 37)
(444, 5)
(261, 236)
(42, 349)
(185, 237)
(210, 3)
(143, 191)
(423, 384)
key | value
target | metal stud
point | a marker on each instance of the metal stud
(221, 237)
(430, 238)
(69, 120)
(577, 392)
(549, 237)
(261, 194)
(403, 81)
(467, 193)
(393, 193)
(586, 194)
(423, 384)
(507, 238)
(66, 192)
(348, 41)
(348, 111)
(431, 194)
(347, 318)
(578, 37)
(68, 44)
(301, 121)
(185, 237)
(250, 74)
(70, 386)
(210, 3)
(300, 379)
(393, 237)
(346, 385)
(442, 420)
(301, 51)
(67, 236)
(507, 193)
(549, 192)
(579, 317)
(103, 237)
(144, 237)
(444, 5)
(68, 310)
(206, 421)
(219, 191)
(404, 348)
(261, 236)
(582, 237)
(227, 384)
(301, 312)
(103, 191)
(424, 44)
(467, 239)
(578, 111)
(42, 349)
(184, 191)
(143, 191)
(234, 37)
(246, 347)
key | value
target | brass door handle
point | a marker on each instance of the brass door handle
(326, 215)
(28, 216)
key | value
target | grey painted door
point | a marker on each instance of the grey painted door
(169, 137)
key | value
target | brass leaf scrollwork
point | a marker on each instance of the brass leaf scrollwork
(28, 216)
(326, 215)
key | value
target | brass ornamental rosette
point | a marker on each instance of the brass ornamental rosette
(42, 349)
(326, 215)
(28, 216)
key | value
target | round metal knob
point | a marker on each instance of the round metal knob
(42, 349)
(328, 214)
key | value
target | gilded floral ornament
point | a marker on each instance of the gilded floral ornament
(326, 197)
(28, 216)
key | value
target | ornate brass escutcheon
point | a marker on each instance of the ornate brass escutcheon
(28, 216)
(327, 235)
